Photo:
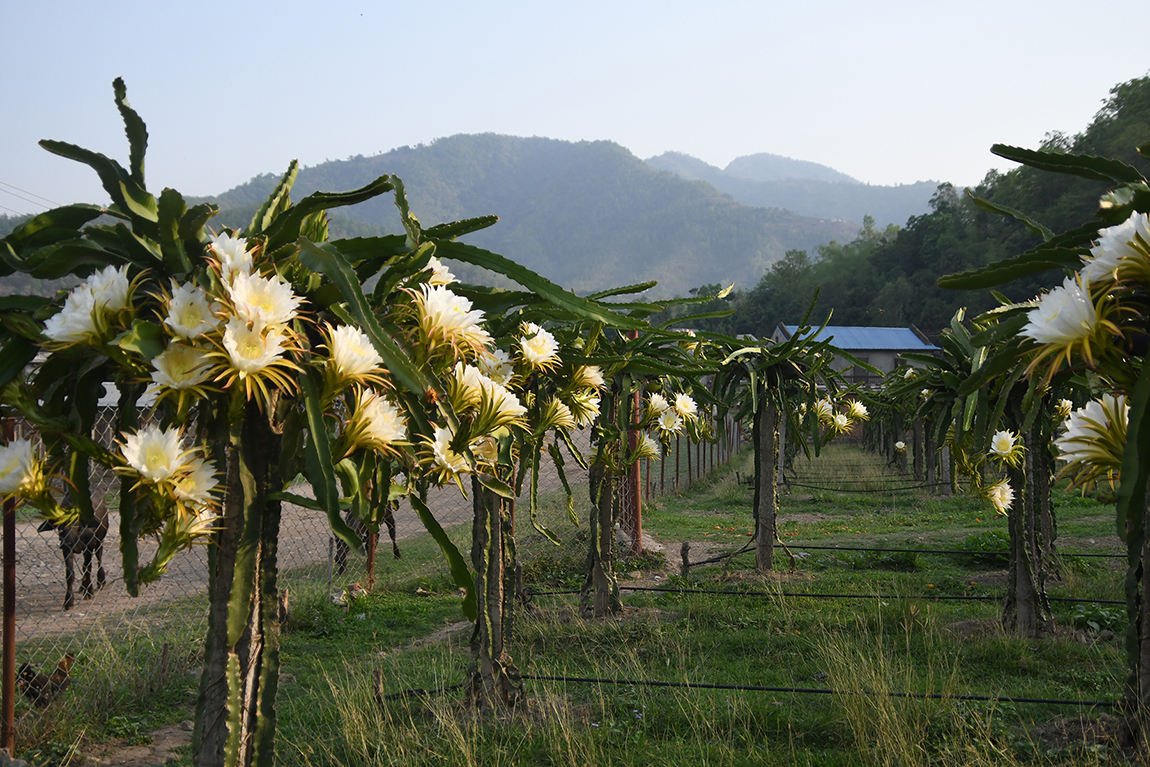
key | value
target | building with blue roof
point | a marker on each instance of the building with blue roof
(879, 347)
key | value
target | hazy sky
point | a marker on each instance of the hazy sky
(887, 92)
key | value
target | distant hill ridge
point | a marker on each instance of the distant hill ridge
(588, 215)
(773, 167)
(807, 188)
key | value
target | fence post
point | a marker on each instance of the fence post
(931, 462)
(676, 463)
(632, 510)
(8, 706)
(648, 473)
(916, 442)
(782, 448)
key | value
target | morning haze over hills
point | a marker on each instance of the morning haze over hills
(807, 188)
(591, 215)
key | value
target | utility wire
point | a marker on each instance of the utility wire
(25, 191)
(25, 199)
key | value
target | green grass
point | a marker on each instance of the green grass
(411, 629)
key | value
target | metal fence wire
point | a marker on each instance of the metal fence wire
(166, 623)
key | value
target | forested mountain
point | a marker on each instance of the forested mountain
(888, 277)
(771, 181)
(588, 215)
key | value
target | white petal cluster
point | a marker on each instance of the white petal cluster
(556, 415)
(648, 447)
(900, 447)
(537, 347)
(657, 405)
(16, 465)
(440, 274)
(1064, 315)
(825, 411)
(498, 406)
(448, 317)
(81, 317)
(75, 323)
(233, 255)
(1000, 495)
(669, 422)
(109, 288)
(857, 411)
(506, 402)
(497, 366)
(352, 352)
(269, 300)
(180, 367)
(589, 377)
(190, 312)
(1096, 434)
(1127, 243)
(156, 454)
(1002, 443)
(382, 423)
(250, 346)
(196, 484)
(685, 406)
(1064, 408)
(444, 457)
(584, 406)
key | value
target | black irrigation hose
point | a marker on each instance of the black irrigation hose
(736, 593)
(801, 546)
(888, 491)
(813, 690)
(419, 691)
(414, 691)
(964, 552)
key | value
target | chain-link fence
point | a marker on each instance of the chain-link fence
(687, 461)
(163, 627)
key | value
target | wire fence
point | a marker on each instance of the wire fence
(845, 466)
(686, 462)
(172, 612)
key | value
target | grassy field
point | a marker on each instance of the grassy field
(897, 640)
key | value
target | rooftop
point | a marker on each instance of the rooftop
(850, 337)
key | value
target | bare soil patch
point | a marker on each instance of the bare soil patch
(804, 518)
(976, 628)
(1085, 730)
(166, 746)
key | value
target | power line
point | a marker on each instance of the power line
(13, 210)
(25, 191)
(25, 199)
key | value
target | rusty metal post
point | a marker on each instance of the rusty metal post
(663, 476)
(676, 463)
(8, 698)
(688, 463)
(633, 511)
